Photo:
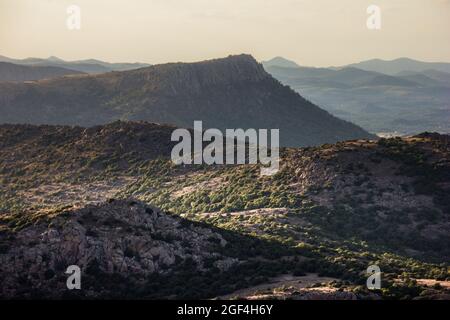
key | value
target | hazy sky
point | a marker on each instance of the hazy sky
(311, 32)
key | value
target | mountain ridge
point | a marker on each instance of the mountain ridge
(407, 102)
(86, 66)
(231, 92)
(394, 66)
(19, 73)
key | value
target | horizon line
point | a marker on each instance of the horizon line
(220, 57)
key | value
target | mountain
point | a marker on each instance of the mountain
(437, 77)
(109, 200)
(86, 66)
(233, 92)
(386, 80)
(121, 66)
(392, 67)
(405, 103)
(419, 78)
(20, 73)
(280, 62)
(350, 76)
(6, 59)
(54, 59)
(345, 77)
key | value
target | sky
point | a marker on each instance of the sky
(310, 32)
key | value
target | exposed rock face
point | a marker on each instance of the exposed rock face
(120, 239)
(174, 78)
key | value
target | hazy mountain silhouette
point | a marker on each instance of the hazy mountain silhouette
(437, 77)
(234, 92)
(14, 72)
(342, 78)
(280, 62)
(407, 102)
(401, 64)
(87, 66)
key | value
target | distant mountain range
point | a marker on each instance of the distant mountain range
(343, 78)
(393, 67)
(87, 66)
(376, 72)
(280, 62)
(15, 72)
(403, 101)
(234, 92)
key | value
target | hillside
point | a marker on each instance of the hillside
(308, 232)
(233, 92)
(14, 72)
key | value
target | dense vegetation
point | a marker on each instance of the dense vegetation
(332, 210)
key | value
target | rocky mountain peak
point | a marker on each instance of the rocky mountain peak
(193, 76)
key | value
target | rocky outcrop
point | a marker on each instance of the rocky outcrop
(120, 239)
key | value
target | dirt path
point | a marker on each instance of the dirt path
(270, 288)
